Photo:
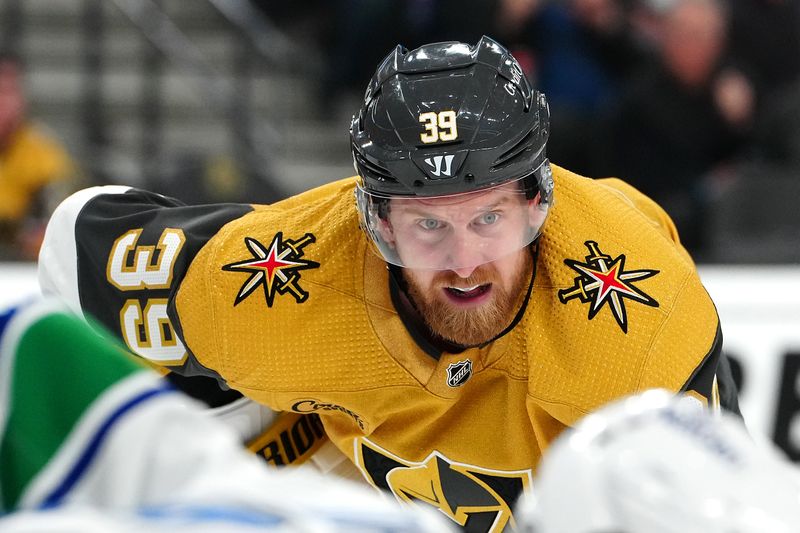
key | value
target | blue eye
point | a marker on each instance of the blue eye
(488, 219)
(430, 224)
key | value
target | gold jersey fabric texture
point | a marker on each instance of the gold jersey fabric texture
(344, 352)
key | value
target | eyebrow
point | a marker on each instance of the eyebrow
(414, 210)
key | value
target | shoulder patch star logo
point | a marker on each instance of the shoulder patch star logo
(275, 268)
(603, 280)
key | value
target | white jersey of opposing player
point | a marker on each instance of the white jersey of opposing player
(168, 467)
(186, 519)
(141, 456)
(655, 464)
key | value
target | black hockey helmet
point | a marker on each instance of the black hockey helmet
(448, 119)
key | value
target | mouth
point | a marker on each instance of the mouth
(473, 295)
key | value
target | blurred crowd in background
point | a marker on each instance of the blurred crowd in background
(36, 171)
(694, 102)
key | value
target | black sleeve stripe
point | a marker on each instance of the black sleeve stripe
(715, 367)
(106, 217)
(206, 389)
(702, 379)
(728, 391)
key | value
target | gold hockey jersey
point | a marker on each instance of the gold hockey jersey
(288, 305)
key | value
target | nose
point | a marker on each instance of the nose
(465, 254)
(465, 272)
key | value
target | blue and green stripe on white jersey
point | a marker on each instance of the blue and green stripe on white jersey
(63, 387)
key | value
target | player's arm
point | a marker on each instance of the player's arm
(119, 254)
(685, 354)
(712, 379)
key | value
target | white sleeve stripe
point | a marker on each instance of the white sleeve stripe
(58, 257)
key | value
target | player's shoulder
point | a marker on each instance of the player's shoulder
(270, 276)
(313, 236)
(617, 303)
(317, 229)
(608, 216)
(605, 232)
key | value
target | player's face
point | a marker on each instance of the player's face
(474, 248)
(473, 300)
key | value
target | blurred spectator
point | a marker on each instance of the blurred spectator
(513, 21)
(585, 51)
(35, 170)
(684, 118)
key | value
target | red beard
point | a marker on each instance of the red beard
(470, 326)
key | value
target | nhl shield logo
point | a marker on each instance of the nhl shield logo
(459, 373)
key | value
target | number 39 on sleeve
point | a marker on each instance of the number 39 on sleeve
(132, 267)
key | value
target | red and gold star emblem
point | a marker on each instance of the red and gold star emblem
(604, 280)
(274, 267)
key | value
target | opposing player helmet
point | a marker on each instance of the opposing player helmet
(443, 120)
(658, 464)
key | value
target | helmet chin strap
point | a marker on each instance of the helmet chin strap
(431, 343)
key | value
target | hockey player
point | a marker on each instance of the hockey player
(654, 463)
(490, 301)
(114, 448)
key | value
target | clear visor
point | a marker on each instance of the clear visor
(455, 231)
